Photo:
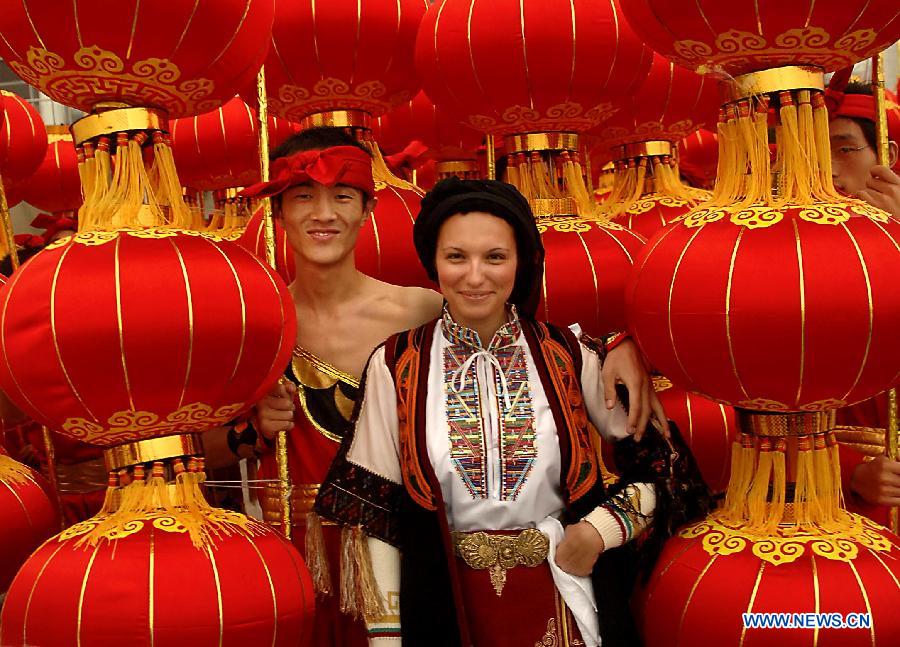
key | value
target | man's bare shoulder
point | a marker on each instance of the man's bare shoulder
(408, 307)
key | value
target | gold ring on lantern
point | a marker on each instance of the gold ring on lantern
(118, 120)
(777, 79)
(58, 134)
(653, 148)
(456, 166)
(152, 449)
(548, 207)
(528, 142)
(338, 119)
(775, 425)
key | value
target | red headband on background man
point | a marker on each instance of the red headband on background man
(347, 165)
(860, 106)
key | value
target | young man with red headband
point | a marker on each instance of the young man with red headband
(871, 481)
(323, 193)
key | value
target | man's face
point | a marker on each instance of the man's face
(322, 222)
(851, 156)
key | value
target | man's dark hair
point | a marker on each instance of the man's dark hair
(315, 139)
(866, 125)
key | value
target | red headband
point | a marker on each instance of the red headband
(346, 165)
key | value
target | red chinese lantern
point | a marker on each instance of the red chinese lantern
(509, 67)
(517, 69)
(745, 36)
(27, 515)
(220, 149)
(647, 192)
(783, 255)
(708, 428)
(154, 584)
(184, 57)
(342, 55)
(55, 186)
(121, 358)
(711, 565)
(23, 138)
(698, 158)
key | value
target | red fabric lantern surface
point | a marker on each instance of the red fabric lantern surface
(420, 119)
(586, 268)
(780, 310)
(651, 213)
(748, 35)
(184, 56)
(23, 138)
(707, 427)
(698, 158)
(342, 55)
(112, 337)
(153, 587)
(708, 575)
(506, 66)
(669, 104)
(55, 186)
(28, 516)
(220, 149)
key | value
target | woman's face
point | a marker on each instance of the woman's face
(476, 266)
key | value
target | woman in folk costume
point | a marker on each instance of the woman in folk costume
(470, 487)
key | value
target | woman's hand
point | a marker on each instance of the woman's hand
(625, 365)
(578, 551)
(275, 412)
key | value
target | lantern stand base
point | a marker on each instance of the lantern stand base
(772, 80)
(116, 120)
(338, 119)
(152, 449)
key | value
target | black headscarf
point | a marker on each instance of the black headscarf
(454, 196)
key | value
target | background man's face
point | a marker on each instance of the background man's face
(851, 156)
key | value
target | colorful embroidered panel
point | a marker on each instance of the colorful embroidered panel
(467, 414)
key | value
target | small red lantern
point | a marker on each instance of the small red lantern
(745, 36)
(184, 57)
(121, 358)
(220, 149)
(342, 55)
(152, 584)
(55, 186)
(23, 138)
(698, 157)
(708, 428)
(27, 515)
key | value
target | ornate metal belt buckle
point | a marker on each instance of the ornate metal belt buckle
(499, 553)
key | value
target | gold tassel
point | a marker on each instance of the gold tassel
(757, 497)
(779, 486)
(743, 466)
(360, 596)
(807, 509)
(13, 472)
(823, 147)
(382, 174)
(168, 192)
(795, 182)
(316, 555)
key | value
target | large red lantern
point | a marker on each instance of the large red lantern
(55, 186)
(734, 38)
(27, 515)
(184, 57)
(253, 239)
(121, 358)
(220, 149)
(698, 158)
(152, 585)
(23, 137)
(342, 55)
(509, 67)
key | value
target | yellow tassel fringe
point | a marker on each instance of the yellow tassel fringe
(316, 555)
(360, 596)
